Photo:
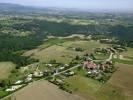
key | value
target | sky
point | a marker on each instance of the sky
(80, 4)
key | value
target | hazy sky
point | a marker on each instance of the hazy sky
(81, 4)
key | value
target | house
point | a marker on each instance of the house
(102, 67)
(29, 78)
(105, 65)
(19, 82)
(30, 75)
(49, 65)
(112, 50)
(88, 59)
(38, 74)
(93, 71)
(66, 65)
(89, 65)
(13, 88)
(59, 81)
(119, 48)
(61, 68)
(69, 73)
(106, 40)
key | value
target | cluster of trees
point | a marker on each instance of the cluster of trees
(64, 29)
(11, 46)
(125, 43)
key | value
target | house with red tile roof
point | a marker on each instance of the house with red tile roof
(90, 65)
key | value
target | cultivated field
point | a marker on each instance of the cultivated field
(43, 90)
(62, 51)
(5, 68)
(59, 53)
(123, 79)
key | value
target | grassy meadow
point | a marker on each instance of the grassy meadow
(62, 50)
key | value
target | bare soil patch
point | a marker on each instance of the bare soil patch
(43, 90)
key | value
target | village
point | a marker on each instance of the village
(56, 73)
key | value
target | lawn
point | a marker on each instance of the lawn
(5, 69)
(83, 86)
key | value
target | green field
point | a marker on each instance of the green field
(130, 62)
(83, 86)
(5, 72)
(129, 53)
(127, 57)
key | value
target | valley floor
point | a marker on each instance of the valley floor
(118, 87)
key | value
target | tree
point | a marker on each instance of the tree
(77, 57)
(3, 83)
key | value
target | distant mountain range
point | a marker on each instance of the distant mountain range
(9, 8)
(14, 7)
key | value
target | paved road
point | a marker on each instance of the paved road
(67, 70)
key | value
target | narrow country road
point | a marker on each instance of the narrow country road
(66, 70)
(110, 57)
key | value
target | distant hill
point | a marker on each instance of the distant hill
(14, 9)
(4, 6)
